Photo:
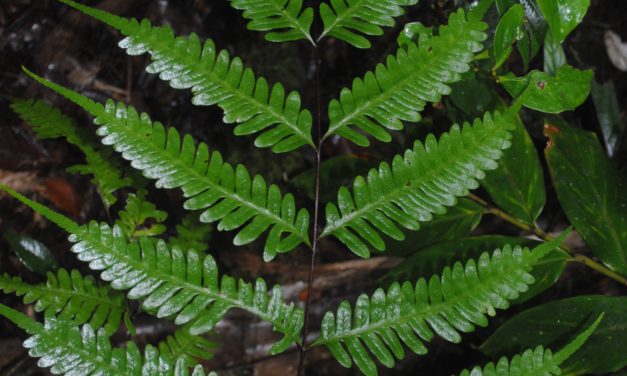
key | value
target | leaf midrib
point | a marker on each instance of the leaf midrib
(385, 94)
(340, 18)
(430, 310)
(293, 21)
(138, 139)
(359, 213)
(211, 77)
(183, 284)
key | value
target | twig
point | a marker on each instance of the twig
(537, 231)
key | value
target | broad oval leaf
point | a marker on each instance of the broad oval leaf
(508, 31)
(551, 325)
(517, 185)
(432, 259)
(565, 91)
(563, 15)
(592, 193)
(32, 253)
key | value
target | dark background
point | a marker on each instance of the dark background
(81, 53)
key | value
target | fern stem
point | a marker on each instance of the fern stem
(314, 245)
(540, 233)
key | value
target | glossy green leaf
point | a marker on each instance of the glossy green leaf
(538, 361)
(551, 94)
(454, 302)
(413, 33)
(554, 55)
(216, 78)
(285, 19)
(174, 284)
(32, 253)
(74, 297)
(517, 185)
(456, 223)
(226, 194)
(422, 182)
(349, 20)
(474, 96)
(551, 325)
(591, 191)
(432, 259)
(68, 349)
(192, 348)
(563, 15)
(508, 31)
(609, 115)
(399, 90)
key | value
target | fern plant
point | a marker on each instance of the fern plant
(173, 278)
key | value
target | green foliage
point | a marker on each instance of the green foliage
(422, 182)
(348, 19)
(591, 191)
(268, 15)
(72, 297)
(539, 361)
(190, 347)
(141, 217)
(399, 90)
(216, 79)
(421, 189)
(49, 122)
(68, 349)
(191, 234)
(228, 196)
(552, 324)
(448, 304)
(31, 252)
(172, 284)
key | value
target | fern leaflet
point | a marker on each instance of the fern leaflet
(446, 305)
(350, 17)
(171, 283)
(534, 362)
(225, 194)
(192, 348)
(70, 350)
(288, 15)
(141, 217)
(191, 234)
(423, 182)
(48, 122)
(72, 296)
(216, 79)
(399, 90)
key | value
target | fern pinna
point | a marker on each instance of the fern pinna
(172, 279)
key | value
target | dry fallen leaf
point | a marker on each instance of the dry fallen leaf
(616, 50)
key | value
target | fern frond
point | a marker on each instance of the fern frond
(227, 195)
(288, 15)
(171, 283)
(49, 122)
(534, 362)
(448, 304)
(350, 18)
(141, 217)
(216, 79)
(399, 90)
(423, 182)
(72, 296)
(71, 350)
(191, 234)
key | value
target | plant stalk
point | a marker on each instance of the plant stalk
(537, 231)
(314, 245)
